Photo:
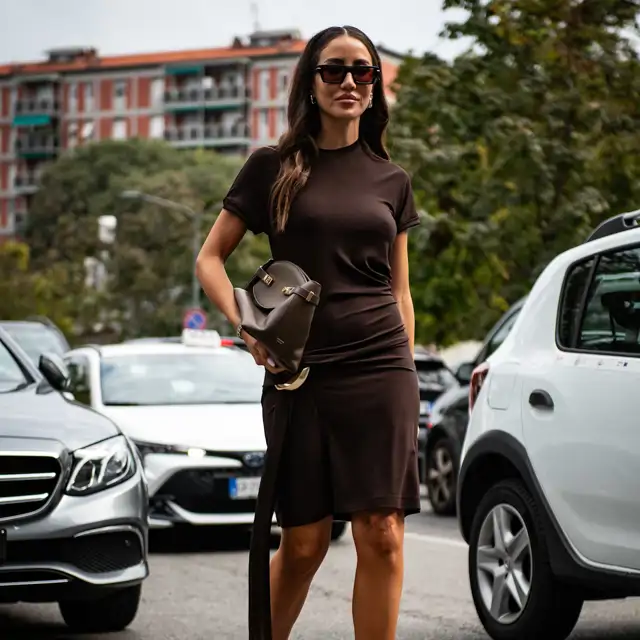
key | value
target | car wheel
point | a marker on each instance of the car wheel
(114, 612)
(515, 593)
(338, 529)
(441, 478)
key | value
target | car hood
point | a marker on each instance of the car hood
(48, 415)
(216, 427)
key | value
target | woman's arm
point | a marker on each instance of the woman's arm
(224, 237)
(400, 284)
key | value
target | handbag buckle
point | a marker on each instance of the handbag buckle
(310, 296)
(268, 280)
(287, 291)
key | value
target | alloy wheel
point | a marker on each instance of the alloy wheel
(504, 564)
(440, 476)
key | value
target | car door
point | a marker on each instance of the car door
(581, 410)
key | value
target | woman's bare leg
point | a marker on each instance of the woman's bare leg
(300, 554)
(379, 539)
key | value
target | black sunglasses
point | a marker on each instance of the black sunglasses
(336, 73)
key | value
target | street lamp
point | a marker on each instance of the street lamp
(196, 218)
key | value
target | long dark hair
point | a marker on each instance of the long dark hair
(297, 146)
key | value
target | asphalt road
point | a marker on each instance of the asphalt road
(197, 590)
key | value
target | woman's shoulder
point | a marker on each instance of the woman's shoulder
(264, 157)
(387, 167)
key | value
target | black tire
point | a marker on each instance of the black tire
(441, 487)
(114, 612)
(552, 608)
(337, 530)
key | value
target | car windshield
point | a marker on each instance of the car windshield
(434, 373)
(35, 339)
(222, 377)
(11, 375)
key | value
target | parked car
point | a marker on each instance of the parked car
(73, 500)
(193, 411)
(547, 491)
(434, 379)
(447, 424)
(36, 336)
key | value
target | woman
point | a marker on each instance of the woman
(330, 201)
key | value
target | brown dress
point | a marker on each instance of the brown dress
(351, 429)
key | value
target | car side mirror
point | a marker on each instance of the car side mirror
(464, 372)
(55, 371)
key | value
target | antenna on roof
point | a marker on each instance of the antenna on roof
(256, 16)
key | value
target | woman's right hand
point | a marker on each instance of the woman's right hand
(259, 353)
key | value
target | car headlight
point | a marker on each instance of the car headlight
(100, 466)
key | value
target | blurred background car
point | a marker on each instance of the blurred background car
(73, 500)
(446, 426)
(194, 411)
(36, 335)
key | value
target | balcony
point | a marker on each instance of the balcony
(37, 145)
(30, 112)
(27, 181)
(208, 135)
(189, 98)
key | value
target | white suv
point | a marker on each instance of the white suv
(549, 491)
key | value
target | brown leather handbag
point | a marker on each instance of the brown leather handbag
(277, 308)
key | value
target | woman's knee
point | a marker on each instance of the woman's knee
(304, 548)
(379, 534)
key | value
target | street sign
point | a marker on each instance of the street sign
(194, 319)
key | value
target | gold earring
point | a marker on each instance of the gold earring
(370, 101)
(312, 98)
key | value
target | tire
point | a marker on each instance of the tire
(114, 612)
(548, 609)
(441, 477)
(337, 530)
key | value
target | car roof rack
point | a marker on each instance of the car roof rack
(616, 224)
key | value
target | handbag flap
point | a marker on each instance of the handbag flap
(268, 291)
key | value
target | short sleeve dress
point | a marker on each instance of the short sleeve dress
(352, 440)
(351, 428)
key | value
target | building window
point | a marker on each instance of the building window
(157, 92)
(88, 130)
(265, 85)
(72, 135)
(120, 95)
(73, 97)
(282, 121)
(263, 124)
(88, 96)
(283, 83)
(156, 127)
(119, 130)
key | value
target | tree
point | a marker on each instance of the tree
(517, 149)
(25, 293)
(150, 263)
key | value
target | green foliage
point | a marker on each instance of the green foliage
(150, 263)
(517, 149)
(24, 292)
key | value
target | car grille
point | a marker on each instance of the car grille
(96, 553)
(205, 491)
(27, 483)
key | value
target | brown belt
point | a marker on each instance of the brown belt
(259, 554)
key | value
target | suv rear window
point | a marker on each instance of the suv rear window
(607, 319)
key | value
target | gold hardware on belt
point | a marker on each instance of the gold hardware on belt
(294, 383)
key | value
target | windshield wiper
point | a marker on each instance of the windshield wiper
(122, 404)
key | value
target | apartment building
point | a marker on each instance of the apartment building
(231, 99)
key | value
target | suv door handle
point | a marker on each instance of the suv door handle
(540, 399)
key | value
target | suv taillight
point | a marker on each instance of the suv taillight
(477, 379)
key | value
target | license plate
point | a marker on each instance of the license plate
(243, 488)
(3, 546)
